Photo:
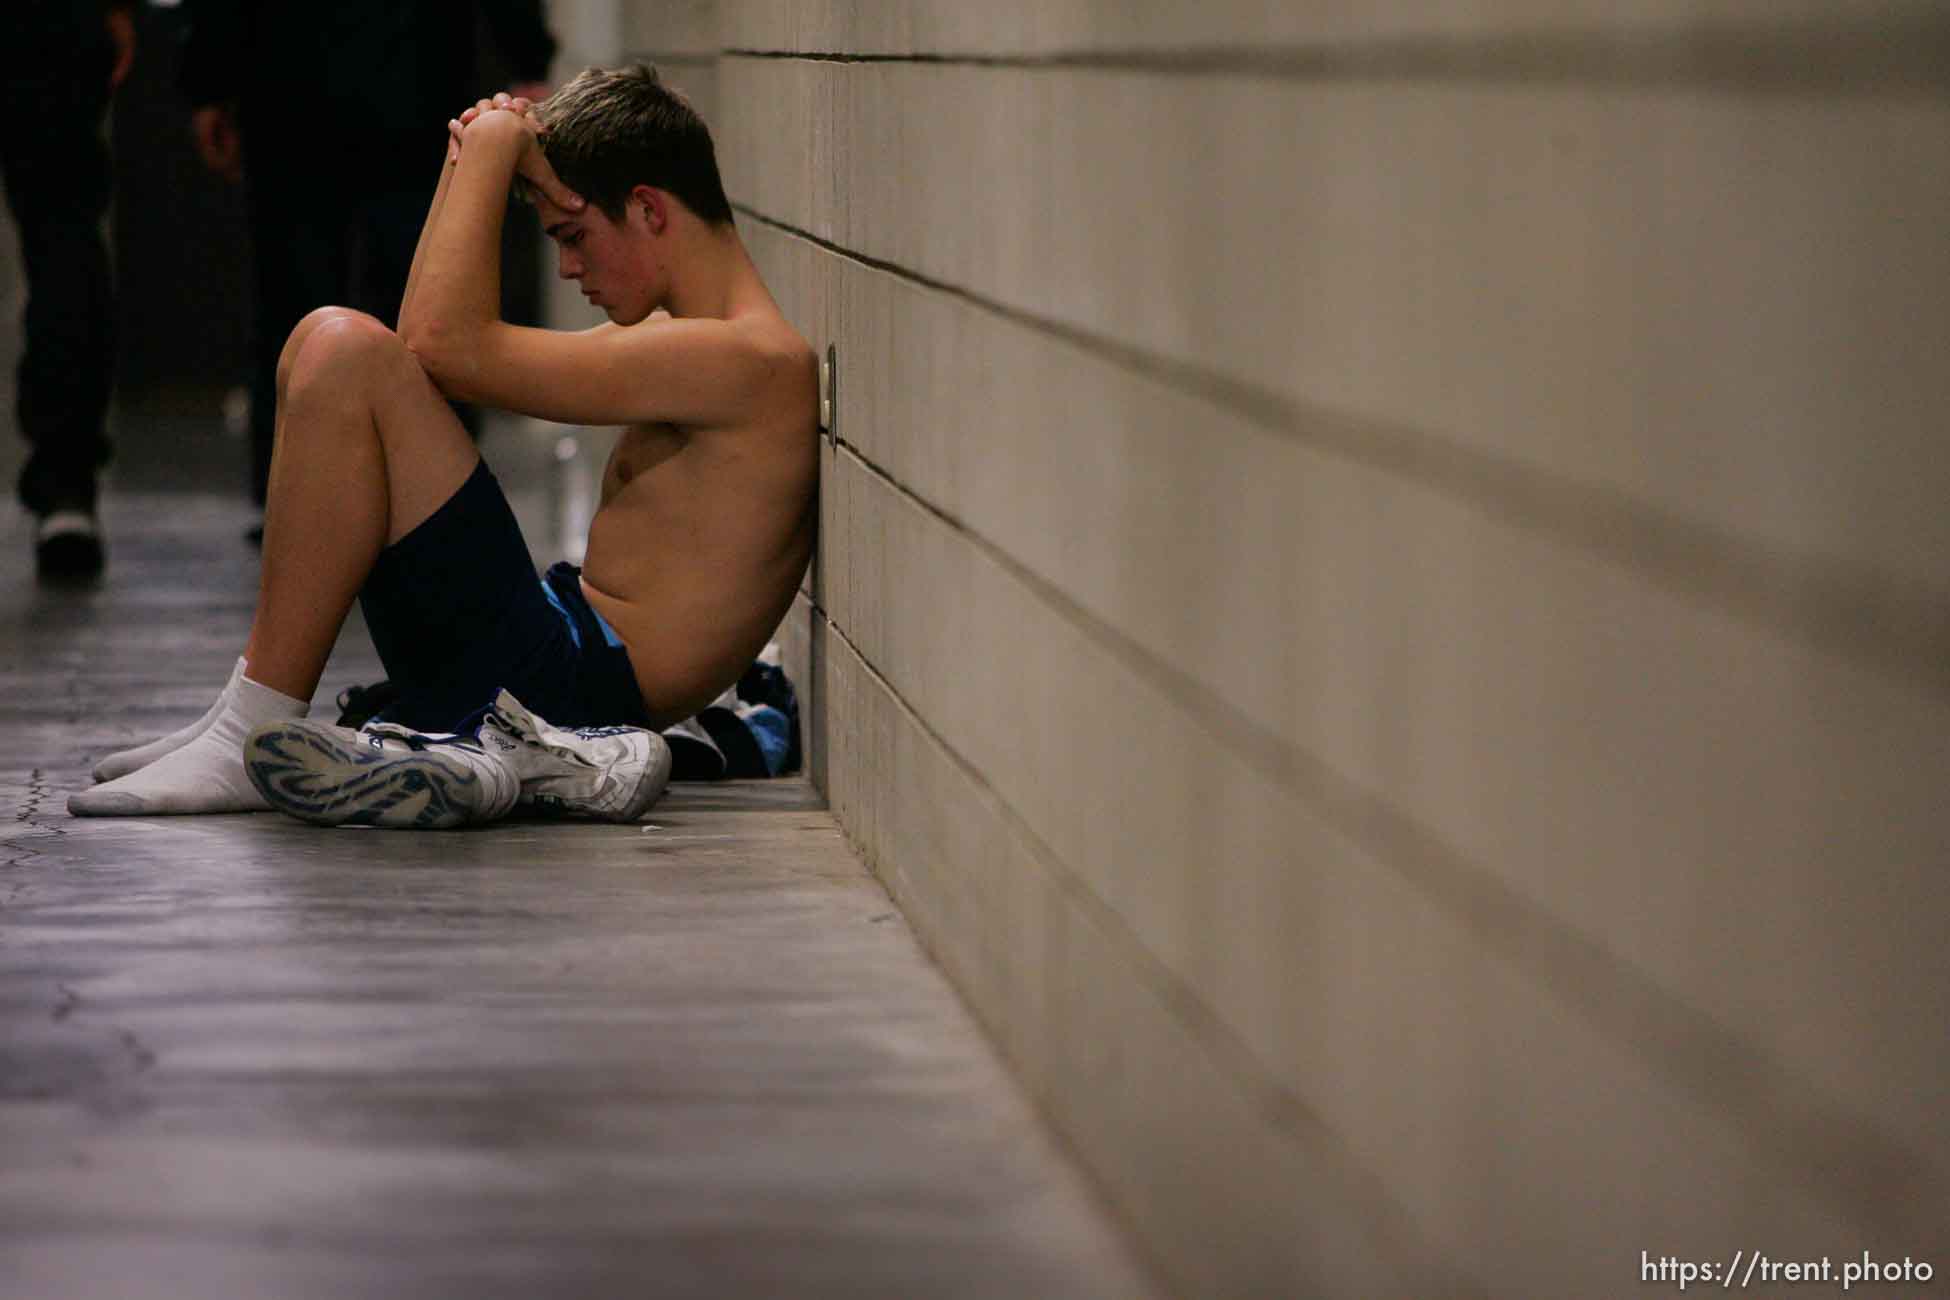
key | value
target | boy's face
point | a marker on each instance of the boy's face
(603, 257)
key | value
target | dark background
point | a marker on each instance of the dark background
(182, 243)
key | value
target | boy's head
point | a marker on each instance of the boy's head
(608, 131)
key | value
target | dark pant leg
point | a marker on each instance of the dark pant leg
(57, 179)
(457, 613)
(298, 240)
(386, 233)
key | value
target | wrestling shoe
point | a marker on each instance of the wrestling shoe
(611, 774)
(382, 775)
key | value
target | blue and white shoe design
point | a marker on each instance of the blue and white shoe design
(382, 775)
(609, 774)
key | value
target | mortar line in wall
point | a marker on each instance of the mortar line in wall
(1896, 627)
(1278, 1104)
(673, 58)
(1821, 1144)
(1265, 751)
(1280, 1107)
(1854, 54)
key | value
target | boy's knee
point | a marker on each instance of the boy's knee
(301, 333)
(332, 340)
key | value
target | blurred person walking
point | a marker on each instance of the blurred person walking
(66, 58)
(337, 227)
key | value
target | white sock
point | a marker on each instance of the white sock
(205, 775)
(130, 760)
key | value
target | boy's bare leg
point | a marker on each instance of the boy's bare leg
(366, 450)
(130, 760)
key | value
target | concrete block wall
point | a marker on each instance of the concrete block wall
(1384, 600)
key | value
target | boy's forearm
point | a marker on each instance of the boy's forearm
(455, 285)
(420, 249)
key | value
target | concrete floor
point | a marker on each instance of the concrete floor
(240, 1056)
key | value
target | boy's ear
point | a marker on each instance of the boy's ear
(653, 205)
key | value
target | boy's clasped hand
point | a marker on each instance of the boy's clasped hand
(532, 165)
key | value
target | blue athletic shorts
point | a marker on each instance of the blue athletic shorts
(457, 613)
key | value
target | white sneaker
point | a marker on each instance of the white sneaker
(383, 775)
(606, 773)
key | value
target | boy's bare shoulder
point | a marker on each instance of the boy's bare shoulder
(767, 333)
(774, 335)
(792, 368)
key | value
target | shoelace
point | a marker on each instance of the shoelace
(419, 743)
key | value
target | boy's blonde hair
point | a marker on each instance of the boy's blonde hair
(612, 129)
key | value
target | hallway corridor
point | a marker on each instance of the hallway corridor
(242, 1057)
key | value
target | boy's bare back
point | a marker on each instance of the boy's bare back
(703, 532)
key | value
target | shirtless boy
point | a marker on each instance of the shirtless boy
(376, 492)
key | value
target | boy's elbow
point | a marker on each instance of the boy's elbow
(422, 338)
(419, 337)
(435, 350)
